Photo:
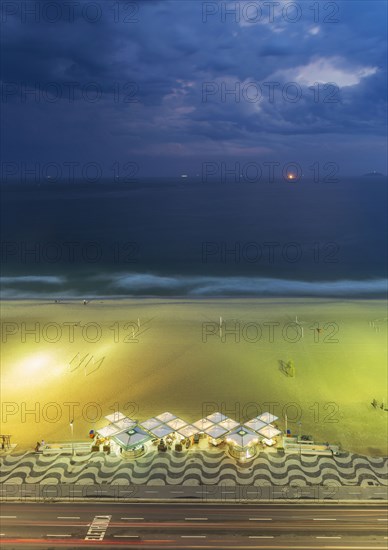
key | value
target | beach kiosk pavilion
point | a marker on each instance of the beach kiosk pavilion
(165, 425)
(221, 426)
(118, 423)
(132, 441)
(115, 432)
(261, 425)
(243, 443)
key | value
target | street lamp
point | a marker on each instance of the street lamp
(72, 436)
(300, 439)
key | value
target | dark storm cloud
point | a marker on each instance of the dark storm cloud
(169, 55)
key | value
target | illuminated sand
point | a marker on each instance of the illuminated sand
(171, 368)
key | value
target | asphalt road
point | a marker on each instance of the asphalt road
(193, 525)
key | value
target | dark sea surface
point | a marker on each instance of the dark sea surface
(186, 238)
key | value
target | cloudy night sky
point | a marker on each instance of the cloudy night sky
(157, 71)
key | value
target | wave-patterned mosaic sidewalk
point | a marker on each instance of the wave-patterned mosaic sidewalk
(195, 468)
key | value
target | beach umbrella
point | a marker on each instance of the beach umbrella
(215, 431)
(267, 417)
(162, 431)
(269, 432)
(151, 423)
(229, 424)
(107, 431)
(115, 417)
(216, 417)
(187, 431)
(203, 424)
(255, 424)
(125, 424)
(176, 424)
(166, 417)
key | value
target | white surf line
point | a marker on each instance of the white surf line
(196, 519)
(133, 518)
(260, 519)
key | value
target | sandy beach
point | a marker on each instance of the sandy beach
(147, 356)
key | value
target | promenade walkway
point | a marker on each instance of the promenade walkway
(195, 467)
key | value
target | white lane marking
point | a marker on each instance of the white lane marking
(68, 517)
(58, 535)
(133, 518)
(193, 536)
(8, 517)
(260, 519)
(324, 519)
(151, 491)
(177, 492)
(261, 537)
(196, 519)
(126, 536)
(328, 537)
(382, 519)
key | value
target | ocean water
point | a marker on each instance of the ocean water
(186, 238)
